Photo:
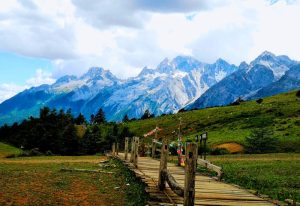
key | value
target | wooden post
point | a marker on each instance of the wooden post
(163, 164)
(113, 149)
(136, 151)
(201, 148)
(117, 148)
(205, 150)
(148, 150)
(179, 142)
(132, 150)
(126, 147)
(190, 172)
(153, 143)
(153, 148)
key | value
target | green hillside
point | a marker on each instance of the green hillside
(7, 150)
(281, 113)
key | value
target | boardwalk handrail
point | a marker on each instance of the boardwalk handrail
(202, 162)
(175, 187)
(164, 174)
(188, 192)
(229, 195)
(210, 166)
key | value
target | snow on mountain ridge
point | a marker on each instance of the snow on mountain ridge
(278, 64)
(165, 89)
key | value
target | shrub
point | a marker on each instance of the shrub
(182, 110)
(259, 101)
(219, 151)
(49, 153)
(298, 93)
(297, 122)
(279, 114)
(261, 141)
(237, 102)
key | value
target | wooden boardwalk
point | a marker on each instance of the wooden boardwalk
(208, 190)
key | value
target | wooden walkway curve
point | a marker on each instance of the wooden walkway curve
(208, 190)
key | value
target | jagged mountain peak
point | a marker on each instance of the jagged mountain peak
(243, 65)
(172, 85)
(186, 63)
(164, 62)
(65, 79)
(266, 56)
(93, 72)
(98, 73)
(221, 61)
(184, 58)
(165, 67)
(278, 64)
(145, 71)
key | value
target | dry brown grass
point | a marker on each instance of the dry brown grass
(232, 147)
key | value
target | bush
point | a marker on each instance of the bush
(237, 102)
(219, 151)
(49, 153)
(259, 101)
(182, 110)
(261, 141)
(298, 93)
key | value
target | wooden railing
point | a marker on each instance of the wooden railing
(212, 167)
(165, 177)
(202, 162)
(188, 191)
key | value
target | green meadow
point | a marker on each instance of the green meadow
(280, 113)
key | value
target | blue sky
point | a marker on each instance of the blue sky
(41, 41)
(17, 69)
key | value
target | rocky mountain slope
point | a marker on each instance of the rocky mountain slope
(166, 89)
(266, 75)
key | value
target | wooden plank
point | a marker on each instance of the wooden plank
(207, 190)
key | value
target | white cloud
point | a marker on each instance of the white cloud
(124, 37)
(34, 29)
(8, 90)
(41, 77)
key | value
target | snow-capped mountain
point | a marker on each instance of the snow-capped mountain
(165, 89)
(183, 82)
(289, 81)
(278, 64)
(266, 75)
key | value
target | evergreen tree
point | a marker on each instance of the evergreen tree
(298, 93)
(92, 119)
(91, 141)
(99, 117)
(80, 119)
(146, 114)
(125, 118)
(44, 112)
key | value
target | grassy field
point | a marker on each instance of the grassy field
(280, 113)
(276, 175)
(40, 181)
